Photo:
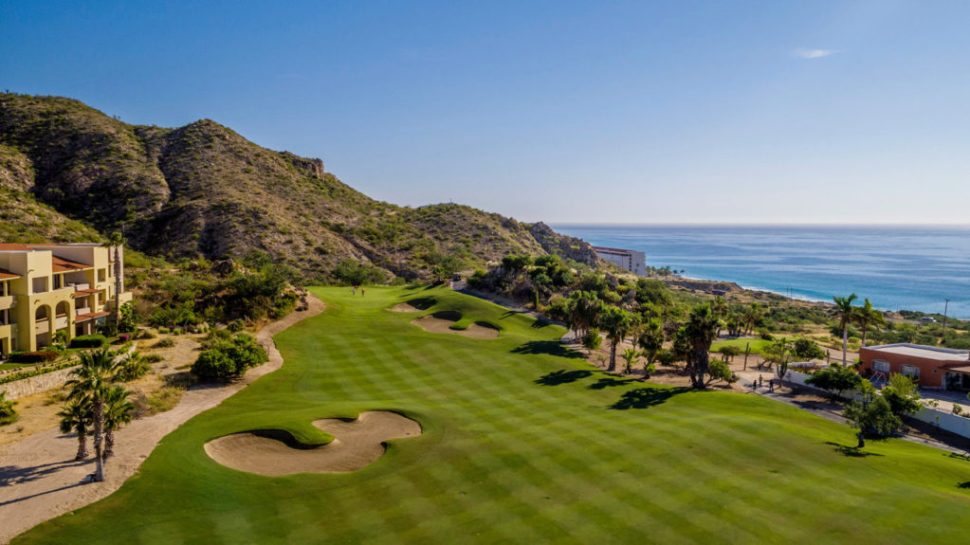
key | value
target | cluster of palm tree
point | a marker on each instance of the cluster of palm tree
(866, 317)
(648, 324)
(97, 405)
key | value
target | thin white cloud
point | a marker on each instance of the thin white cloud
(805, 53)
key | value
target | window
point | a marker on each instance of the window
(881, 366)
(58, 281)
(40, 284)
(911, 371)
(101, 275)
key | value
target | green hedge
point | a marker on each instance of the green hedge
(225, 360)
(89, 341)
(41, 356)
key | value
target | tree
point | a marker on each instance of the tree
(807, 349)
(836, 378)
(871, 415)
(902, 395)
(114, 244)
(651, 339)
(118, 411)
(76, 417)
(720, 370)
(845, 312)
(700, 331)
(753, 315)
(616, 323)
(777, 351)
(91, 384)
(585, 308)
(867, 316)
(630, 356)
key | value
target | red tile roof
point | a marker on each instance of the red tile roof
(65, 265)
(91, 316)
(7, 275)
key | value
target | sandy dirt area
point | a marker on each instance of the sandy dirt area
(40, 480)
(439, 325)
(357, 443)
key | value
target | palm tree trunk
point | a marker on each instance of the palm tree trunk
(862, 440)
(82, 445)
(98, 453)
(845, 346)
(109, 443)
(612, 356)
(865, 333)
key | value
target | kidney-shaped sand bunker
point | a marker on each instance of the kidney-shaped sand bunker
(273, 453)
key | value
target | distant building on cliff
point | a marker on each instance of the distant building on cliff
(630, 260)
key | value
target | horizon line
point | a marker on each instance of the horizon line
(965, 225)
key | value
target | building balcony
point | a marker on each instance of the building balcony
(6, 302)
(60, 322)
(43, 326)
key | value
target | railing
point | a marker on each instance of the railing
(6, 302)
(85, 310)
(42, 327)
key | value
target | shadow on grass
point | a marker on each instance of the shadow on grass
(422, 303)
(964, 485)
(541, 322)
(607, 382)
(851, 452)
(552, 348)
(562, 376)
(643, 398)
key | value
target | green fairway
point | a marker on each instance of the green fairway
(522, 443)
(757, 345)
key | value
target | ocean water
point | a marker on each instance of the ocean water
(898, 268)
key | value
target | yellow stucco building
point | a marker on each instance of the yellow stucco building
(46, 289)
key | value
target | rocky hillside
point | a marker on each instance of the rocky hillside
(204, 190)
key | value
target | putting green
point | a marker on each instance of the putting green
(521, 443)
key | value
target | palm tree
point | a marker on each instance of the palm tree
(76, 417)
(118, 411)
(91, 386)
(616, 323)
(867, 316)
(700, 330)
(845, 312)
(651, 339)
(114, 243)
(630, 355)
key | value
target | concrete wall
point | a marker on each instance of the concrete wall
(40, 383)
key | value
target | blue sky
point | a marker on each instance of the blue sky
(630, 112)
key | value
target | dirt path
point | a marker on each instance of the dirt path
(40, 480)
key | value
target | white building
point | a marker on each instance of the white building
(630, 260)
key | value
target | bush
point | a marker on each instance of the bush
(153, 358)
(89, 341)
(666, 357)
(766, 335)
(215, 365)
(164, 343)
(592, 339)
(41, 356)
(8, 414)
(133, 366)
(808, 349)
(836, 379)
(226, 360)
(719, 370)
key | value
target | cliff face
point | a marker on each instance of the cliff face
(204, 190)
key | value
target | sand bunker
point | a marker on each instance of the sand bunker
(435, 324)
(274, 453)
(415, 305)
